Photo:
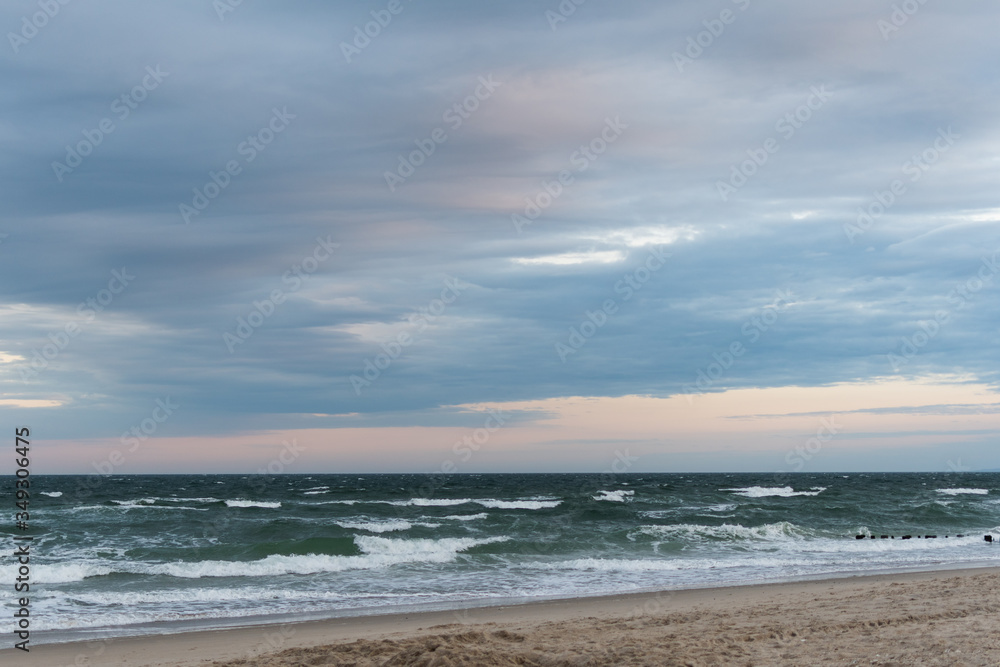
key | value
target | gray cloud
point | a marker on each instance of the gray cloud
(323, 176)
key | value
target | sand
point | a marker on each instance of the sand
(922, 618)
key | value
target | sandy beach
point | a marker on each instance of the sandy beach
(922, 618)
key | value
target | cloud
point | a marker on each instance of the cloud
(783, 230)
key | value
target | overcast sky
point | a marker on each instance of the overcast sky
(714, 223)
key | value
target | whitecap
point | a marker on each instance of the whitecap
(252, 503)
(956, 492)
(619, 496)
(781, 491)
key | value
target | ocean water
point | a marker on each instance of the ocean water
(134, 554)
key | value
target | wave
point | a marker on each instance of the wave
(384, 526)
(428, 502)
(52, 494)
(313, 493)
(724, 507)
(780, 531)
(64, 573)
(188, 500)
(143, 503)
(956, 492)
(489, 503)
(519, 504)
(252, 503)
(466, 517)
(768, 491)
(150, 502)
(659, 565)
(239, 594)
(619, 496)
(377, 553)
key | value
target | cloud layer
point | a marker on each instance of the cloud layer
(437, 206)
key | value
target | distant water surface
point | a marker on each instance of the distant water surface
(118, 552)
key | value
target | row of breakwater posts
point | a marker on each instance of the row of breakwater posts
(986, 538)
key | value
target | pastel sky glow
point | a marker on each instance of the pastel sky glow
(227, 236)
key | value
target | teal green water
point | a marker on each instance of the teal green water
(119, 552)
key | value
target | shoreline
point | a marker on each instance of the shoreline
(213, 624)
(201, 647)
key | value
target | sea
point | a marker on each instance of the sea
(131, 555)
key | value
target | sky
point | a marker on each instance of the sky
(442, 236)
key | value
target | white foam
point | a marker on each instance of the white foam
(609, 565)
(435, 549)
(313, 493)
(780, 531)
(384, 526)
(62, 573)
(659, 565)
(379, 552)
(956, 492)
(490, 503)
(189, 500)
(252, 503)
(52, 494)
(519, 504)
(432, 502)
(782, 491)
(619, 496)
(466, 517)
(144, 503)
